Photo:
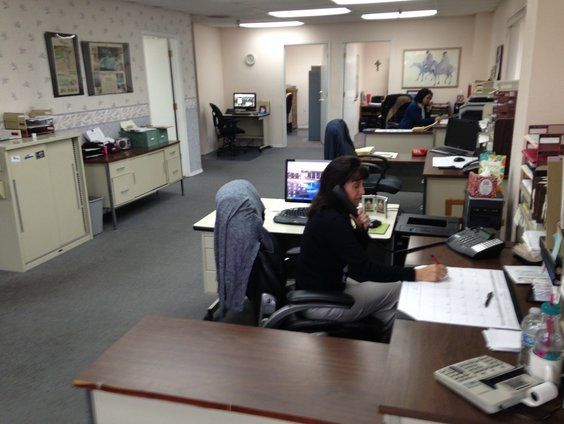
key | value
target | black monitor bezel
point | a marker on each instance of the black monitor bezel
(286, 197)
(245, 93)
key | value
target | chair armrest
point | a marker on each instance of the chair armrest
(375, 163)
(328, 298)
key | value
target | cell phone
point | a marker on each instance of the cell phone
(344, 200)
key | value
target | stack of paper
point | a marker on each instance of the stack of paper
(525, 274)
(502, 340)
(450, 162)
(531, 239)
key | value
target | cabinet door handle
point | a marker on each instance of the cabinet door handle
(76, 190)
(134, 180)
(18, 207)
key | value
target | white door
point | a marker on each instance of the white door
(159, 83)
(324, 92)
(351, 94)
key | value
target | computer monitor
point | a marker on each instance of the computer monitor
(301, 179)
(246, 101)
(462, 134)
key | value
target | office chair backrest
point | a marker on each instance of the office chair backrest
(218, 121)
(338, 141)
(393, 107)
(289, 101)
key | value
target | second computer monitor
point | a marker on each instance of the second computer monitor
(462, 134)
(246, 101)
(301, 181)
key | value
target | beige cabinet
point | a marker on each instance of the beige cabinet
(130, 175)
(44, 204)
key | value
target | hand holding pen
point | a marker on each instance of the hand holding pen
(434, 273)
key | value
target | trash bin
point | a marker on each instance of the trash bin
(96, 214)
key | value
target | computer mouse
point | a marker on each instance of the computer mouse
(458, 159)
(374, 223)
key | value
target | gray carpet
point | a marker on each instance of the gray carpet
(60, 316)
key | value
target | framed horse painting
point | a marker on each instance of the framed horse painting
(431, 67)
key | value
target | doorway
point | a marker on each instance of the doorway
(305, 75)
(164, 89)
(366, 74)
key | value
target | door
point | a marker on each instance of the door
(351, 103)
(68, 196)
(324, 92)
(315, 103)
(34, 205)
(159, 83)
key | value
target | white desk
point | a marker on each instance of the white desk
(257, 129)
(273, 207)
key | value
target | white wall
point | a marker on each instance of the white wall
(375, 82)
(209, 71)
(299, 60)
(266, 77)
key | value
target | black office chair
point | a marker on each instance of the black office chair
(393, 109)
(289, 100)
(338, 142)
(226, 130)
(270, 302)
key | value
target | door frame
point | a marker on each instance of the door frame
(327, 75)
(178, 93)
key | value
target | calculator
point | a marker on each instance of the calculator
(476, 243)
(488, 383)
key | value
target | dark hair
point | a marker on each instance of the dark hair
(421, 94)
(338, 172)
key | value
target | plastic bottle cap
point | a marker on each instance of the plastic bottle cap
(534, 310)
(549, 309)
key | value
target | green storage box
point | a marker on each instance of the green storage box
(162, 134)
(143, 140)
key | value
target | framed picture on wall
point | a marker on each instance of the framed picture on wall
(64, 64)
(108, 69)
(431, 67)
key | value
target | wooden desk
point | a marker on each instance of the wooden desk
(257, 129)
(401, 141)
(128, 175)
(444, 189)
(273, 207)
(197, 371)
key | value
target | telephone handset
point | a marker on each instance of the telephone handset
(344, 200)
(476, 243)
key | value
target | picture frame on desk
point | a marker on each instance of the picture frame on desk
(437, 67)
(64, 64)
(381, 205)
(107, 67)
(368, 202)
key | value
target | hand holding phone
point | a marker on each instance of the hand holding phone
(343, 199)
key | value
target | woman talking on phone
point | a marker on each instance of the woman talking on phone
(333, 257)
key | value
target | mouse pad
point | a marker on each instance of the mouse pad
(379, 230)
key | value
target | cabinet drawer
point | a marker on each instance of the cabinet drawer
(119, 168)
(122, 188)
(172, 152)
(173, 170)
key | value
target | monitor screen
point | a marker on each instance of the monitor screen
(302, 179)
(247, 101)
(462, 134)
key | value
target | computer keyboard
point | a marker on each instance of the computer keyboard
(293, 216)
(446, 150)
(243, 113)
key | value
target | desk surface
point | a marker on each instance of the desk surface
(275, 206)
(246, 115)
(130, 153)
(430, 171)
(274, 373)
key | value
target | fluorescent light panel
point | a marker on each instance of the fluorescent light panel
(309, 12)
(271, 24)
(351, 2)
(402, 15)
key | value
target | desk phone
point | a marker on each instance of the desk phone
(476, 243)
(488, 383)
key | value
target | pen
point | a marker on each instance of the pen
(488, 299)
(435, 260)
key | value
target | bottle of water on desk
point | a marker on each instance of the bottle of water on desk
(531, 324)
(546, 359)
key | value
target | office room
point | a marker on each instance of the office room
(61, 312)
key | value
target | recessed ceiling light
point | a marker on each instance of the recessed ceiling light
(271, 24)
(351, 2)
(400, 15)
(309, 12)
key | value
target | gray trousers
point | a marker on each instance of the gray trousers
(378, 300)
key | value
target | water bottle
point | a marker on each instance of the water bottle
(546, 358)
(530, 325)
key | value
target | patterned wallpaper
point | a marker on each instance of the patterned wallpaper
(25, 80)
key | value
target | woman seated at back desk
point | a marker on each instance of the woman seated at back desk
(417, 113)
(333, 256)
